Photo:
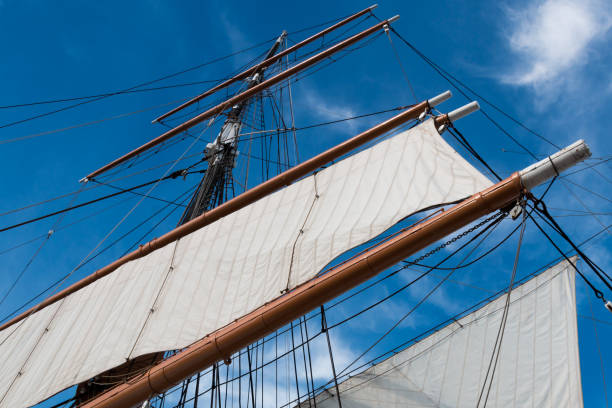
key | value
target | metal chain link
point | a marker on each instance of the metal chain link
(457, 237)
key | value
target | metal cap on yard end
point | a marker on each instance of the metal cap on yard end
(463, 111)
(552, 166)
(436, 100)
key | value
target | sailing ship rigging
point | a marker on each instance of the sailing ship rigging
(191, 317)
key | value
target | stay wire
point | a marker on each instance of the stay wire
(89, 123)
(325, 329)
(140, 85)
(601, 363)
(331, 122)
(445, 74)
(174, 175)
(585, 258)
(112, 93)
(140, 224)
(541, 210)
(399, 62)
(502, 326)
(99, 184)
(464, 142)
(491, 226)
(449, 78)
(163, 200)
(597, 292)
(162, 78)
(56, 223)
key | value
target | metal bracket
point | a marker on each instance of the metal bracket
(516, 211)
(423, 115)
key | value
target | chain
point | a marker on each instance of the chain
(457, 237)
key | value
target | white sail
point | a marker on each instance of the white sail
(187, 289)
(538, 365)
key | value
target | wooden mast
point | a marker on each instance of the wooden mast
(267, 62)
(244, 199)
(212, 112)
(221, 344)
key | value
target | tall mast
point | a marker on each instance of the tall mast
(266, 62)
(247, 94)
(221, 154)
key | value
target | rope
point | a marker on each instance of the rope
(446, 75)
(502, 326)
(464, 142)
(399, 62)
(77, 98)
(542, 211)
(140, 225)
(140, 85)
(495, 222)
(56, 223)
(331, 355)
(123, 191)
(601, 363)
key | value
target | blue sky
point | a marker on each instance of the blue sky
(545, 62)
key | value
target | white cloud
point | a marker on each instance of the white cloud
(324, 110)
(554, 37)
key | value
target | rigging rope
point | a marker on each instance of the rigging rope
(542, 211)
(55, 225)
(174, 175)
(447, 76)
(112, 93)
(140, 224)
(406, 343)
(601, 363)
(399, 61)
(597, 292)
(162, 78)
(325, 329)
(496, 219)
(464, 142)
(502, 325)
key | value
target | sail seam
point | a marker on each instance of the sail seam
(152, 308)
(301, 231)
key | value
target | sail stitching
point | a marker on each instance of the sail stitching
(486, 316)
(153, 306)
(301, 231)
(20, 372)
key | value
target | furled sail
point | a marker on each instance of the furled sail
(182, 292)
(538, 365)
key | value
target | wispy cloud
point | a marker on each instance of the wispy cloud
(326, 110)
(553, 38)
